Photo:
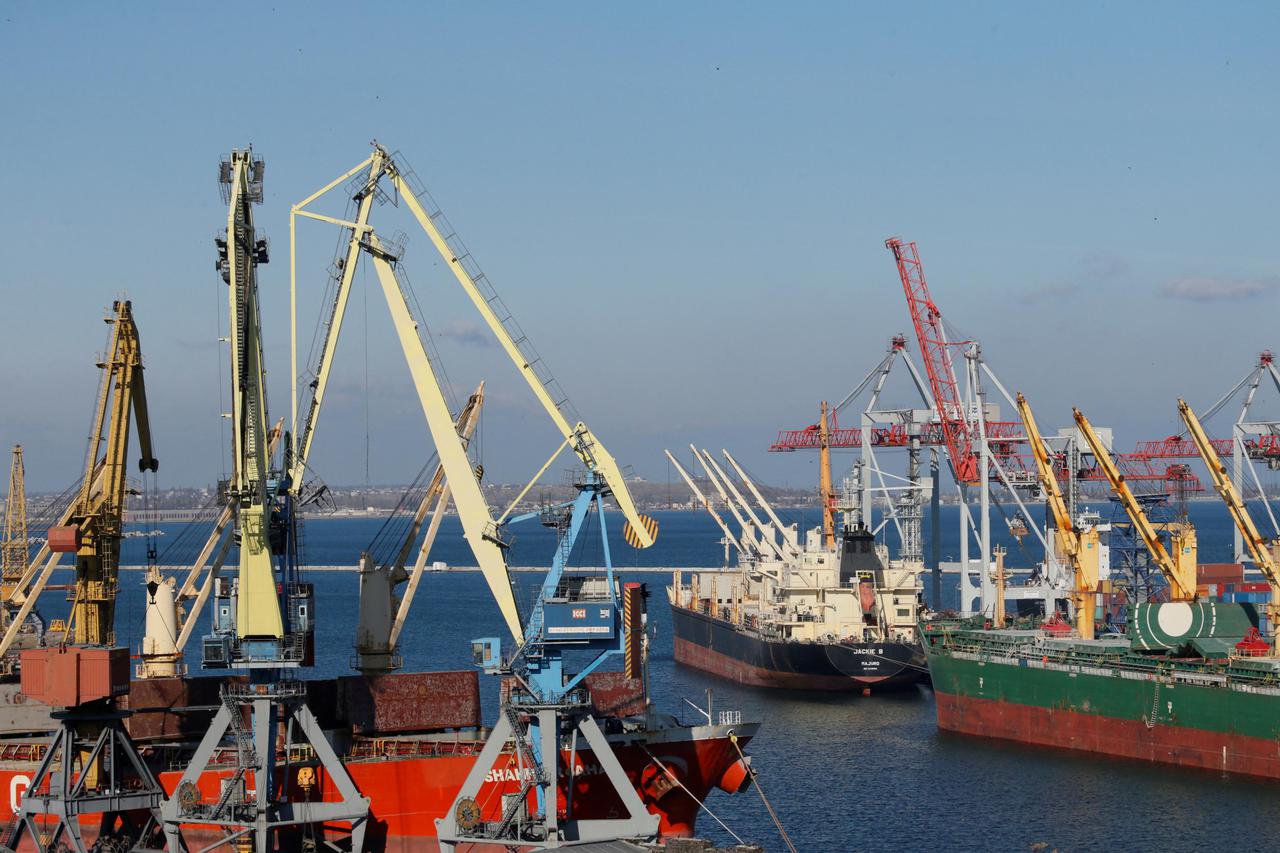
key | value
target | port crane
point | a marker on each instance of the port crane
(91, 525)
(546, 704)
(263, 619)
(1261, 548)
(15, 546)
(1179, 569)
(91, 766)
(382, 613)
(1081, 547)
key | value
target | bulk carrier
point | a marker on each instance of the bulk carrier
(831, 613)
(1183, 688)
(1192, 682)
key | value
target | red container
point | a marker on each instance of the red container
(65, 677)
(1219, 573)
(65, 539)
(1252, 587)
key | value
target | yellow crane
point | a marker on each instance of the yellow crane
(1178, 569)
(480, 528)
(1079, 546)
(1259, 546)
(98, 769)
(13, 548)
(93, 525)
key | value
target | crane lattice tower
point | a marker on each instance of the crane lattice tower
(13, 548)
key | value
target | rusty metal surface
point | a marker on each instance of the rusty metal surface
(190, 704)
(615, 695)
(66, 676)
(400, 703)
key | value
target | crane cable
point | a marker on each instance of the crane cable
(676, 779)
(755, 777)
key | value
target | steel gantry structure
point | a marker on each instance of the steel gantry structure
(547, 704)
(264, 618)
(90, 766)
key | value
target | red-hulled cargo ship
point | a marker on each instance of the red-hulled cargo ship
(409, 740)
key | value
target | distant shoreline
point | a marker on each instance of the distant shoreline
(454, 570)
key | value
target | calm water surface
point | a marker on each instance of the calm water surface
(844, 773)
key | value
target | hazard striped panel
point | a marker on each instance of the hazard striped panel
(629, 533)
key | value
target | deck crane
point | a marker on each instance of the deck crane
(263, 618)
(547, 707)
(826, 490)
(742, 543)
(749, 530)
(1179, 569)
(1081, 547)
(788, 533)
(720, 478)
(1262, 549)
(91, 766)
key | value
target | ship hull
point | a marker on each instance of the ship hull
(1190, 721)
(411, 783)
(716, 646)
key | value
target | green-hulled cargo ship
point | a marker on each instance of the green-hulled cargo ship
(1186, 686)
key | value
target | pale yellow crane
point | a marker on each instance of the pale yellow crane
(13, 547)
(1179, 569)
(1262, 549)
(1080, 547)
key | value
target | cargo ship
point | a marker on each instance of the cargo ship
(830, 613)
(820, 620)
(408, 740)
(1191, 684)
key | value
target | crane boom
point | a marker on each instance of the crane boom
(1181, 573)
(1081, 548)
(709, 460)
(935, 350)
(258, 613)
(473, 510)
(1258, 545)
(702, 499)
(585, 444)
(98, 513)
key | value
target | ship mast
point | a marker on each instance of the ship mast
(824, 483)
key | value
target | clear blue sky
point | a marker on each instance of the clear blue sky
(684, 204)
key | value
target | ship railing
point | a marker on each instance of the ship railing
(729, 718)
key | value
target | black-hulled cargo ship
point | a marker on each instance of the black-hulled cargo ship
(814, 618)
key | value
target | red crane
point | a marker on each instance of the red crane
(934, 349)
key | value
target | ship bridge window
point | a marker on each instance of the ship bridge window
(902, 611)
